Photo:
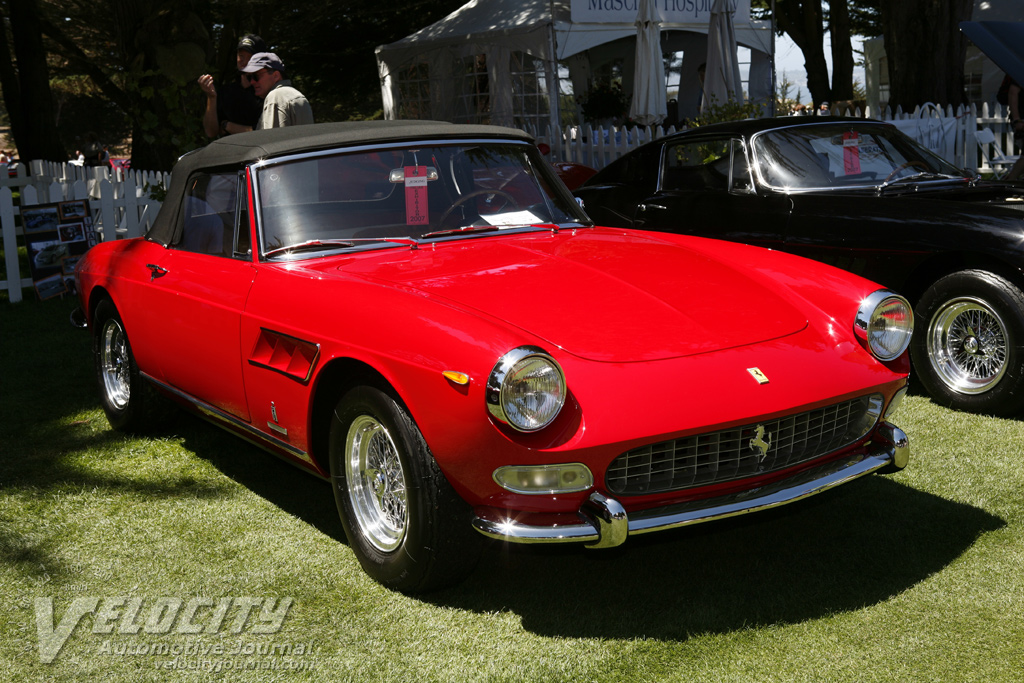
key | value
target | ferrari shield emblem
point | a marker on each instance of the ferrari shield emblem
(758, 375)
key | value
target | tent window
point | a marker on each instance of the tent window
(529, 92)
(473, 104)
(414, 92)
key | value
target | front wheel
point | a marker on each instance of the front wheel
(966, 349)
(409, 529)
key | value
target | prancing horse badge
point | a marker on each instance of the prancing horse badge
(761, 442)
(758, 375)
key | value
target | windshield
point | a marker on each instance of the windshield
(404, 194)
(843, 156)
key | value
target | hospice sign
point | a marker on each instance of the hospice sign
(671, 11)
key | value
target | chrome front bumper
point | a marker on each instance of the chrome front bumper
(604, 522)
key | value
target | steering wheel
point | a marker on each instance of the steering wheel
(509, 199)
(919, 164)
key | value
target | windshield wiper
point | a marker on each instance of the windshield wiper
(310, 244)
(923, 175)
(457, 231)
(341, 244)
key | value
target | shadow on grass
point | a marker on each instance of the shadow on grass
(290, 488)
(839, 551)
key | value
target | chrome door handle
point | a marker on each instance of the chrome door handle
(155, 271)
(644, 207)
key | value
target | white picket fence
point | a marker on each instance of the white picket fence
(119, 203)
(948, 132)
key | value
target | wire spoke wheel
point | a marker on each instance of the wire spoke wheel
(968, 345)
(115, 364)
(376, 483)
(405, 523)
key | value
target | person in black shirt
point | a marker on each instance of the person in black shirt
(233, 107)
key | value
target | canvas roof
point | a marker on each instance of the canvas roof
(524, 25)
(246, 148)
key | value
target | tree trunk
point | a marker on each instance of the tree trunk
(842, 50)
(26, 88)
(803, 22)
(925, 51)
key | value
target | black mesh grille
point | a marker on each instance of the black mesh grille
(742, 451)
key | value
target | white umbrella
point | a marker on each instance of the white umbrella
(648, 107)
(722, 73)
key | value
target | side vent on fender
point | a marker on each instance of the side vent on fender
(288, 355)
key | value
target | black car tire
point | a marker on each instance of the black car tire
(966, 348)
(409, 529)
(130, 402)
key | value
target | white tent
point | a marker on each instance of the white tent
(500, 61)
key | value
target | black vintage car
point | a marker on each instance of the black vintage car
(860, 195)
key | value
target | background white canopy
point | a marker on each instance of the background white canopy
(499, 60)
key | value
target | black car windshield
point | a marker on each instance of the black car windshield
(398, 194)
(842, 155)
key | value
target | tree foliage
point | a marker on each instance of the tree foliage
(142, 58)
(128, 68)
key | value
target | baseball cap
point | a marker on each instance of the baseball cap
(252, 44)
(263, 60)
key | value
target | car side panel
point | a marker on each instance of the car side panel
(119, 269)
(720, 214)
(879, 239)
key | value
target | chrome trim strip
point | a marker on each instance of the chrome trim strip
(605, 524)
(219, 417)
(499, 373)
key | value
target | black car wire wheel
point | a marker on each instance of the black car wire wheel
(966, 350)
(968, 343)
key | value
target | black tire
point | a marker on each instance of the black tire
(966, 348)
(409, 529)
(130, 402)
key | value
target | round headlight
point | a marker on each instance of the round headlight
(526, 389)
(885, 323)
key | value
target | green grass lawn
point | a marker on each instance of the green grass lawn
(917, 576)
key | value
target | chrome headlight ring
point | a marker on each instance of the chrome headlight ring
(884, 323)
(526, 389)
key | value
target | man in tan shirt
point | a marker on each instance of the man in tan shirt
(283, 105)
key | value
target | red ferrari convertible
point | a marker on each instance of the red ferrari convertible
(421, 314)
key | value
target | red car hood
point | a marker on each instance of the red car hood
(595, 294)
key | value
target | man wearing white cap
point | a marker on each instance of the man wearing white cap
(283, 105)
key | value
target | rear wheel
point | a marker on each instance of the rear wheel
(966, 350)
(409, 529)
(129, 401)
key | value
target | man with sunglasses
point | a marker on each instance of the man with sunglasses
(283, 105)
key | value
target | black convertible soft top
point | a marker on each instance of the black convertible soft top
(246, 148)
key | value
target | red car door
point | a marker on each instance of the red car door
(198, 291)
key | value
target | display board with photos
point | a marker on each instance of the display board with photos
(56, 236)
